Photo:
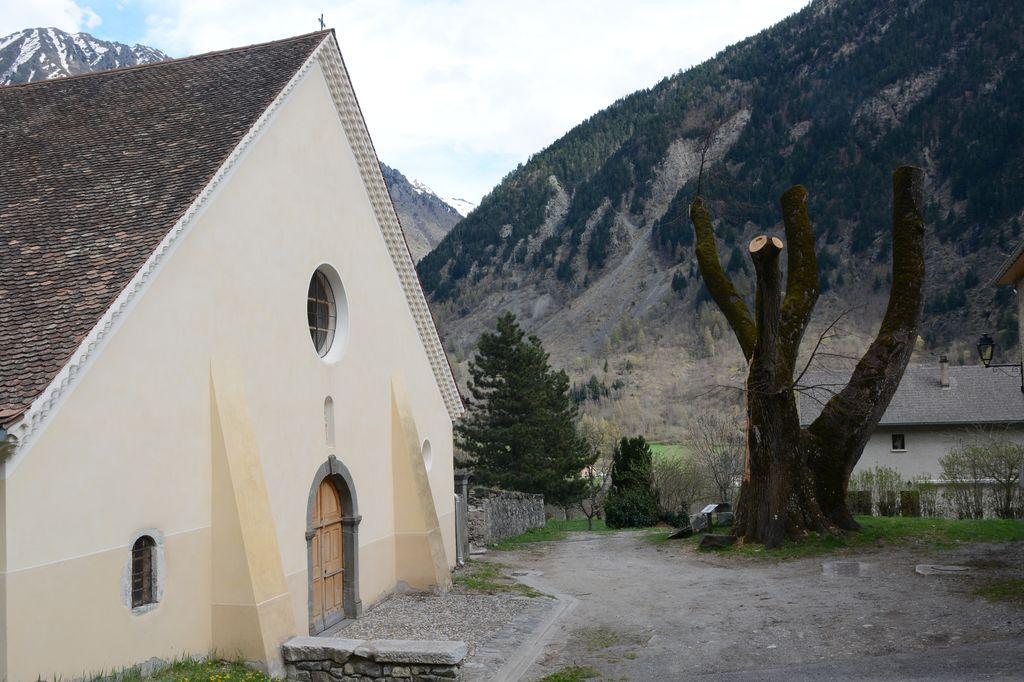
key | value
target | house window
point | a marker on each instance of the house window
(899, 443)
(143, 571)
(322, 312)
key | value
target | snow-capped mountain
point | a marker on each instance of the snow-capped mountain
(461, 206)
(425, 217)
(35, 54)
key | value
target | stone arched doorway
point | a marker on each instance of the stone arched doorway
(332, 546)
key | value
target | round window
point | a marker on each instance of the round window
(322, 310)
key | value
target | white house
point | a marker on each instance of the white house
(935, 409)
(230, 410)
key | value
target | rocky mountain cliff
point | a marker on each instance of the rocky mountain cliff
(589, 242)
(36, 54)
(425, 217)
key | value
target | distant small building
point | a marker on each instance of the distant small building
(935, 409)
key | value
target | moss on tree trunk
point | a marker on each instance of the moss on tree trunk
(795, 479)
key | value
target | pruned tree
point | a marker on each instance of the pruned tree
(795, 479)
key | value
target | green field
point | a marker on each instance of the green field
(669, 450)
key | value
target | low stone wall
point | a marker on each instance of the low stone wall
(332, 659)
(498, 514)
(553, 512)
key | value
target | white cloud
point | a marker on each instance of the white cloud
(64, 14)
(457, 92)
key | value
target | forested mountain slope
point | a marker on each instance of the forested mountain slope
(589, 240)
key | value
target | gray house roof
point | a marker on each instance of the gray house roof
(976, 395)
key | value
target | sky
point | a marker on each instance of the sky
(455, 93)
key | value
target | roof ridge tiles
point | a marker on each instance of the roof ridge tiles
(166, 62)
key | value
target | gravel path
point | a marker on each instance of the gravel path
(665, 612)
(470, 618)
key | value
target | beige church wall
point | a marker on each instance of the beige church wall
(130, 447)
(127, 452)
(82, 598)
(289, 161)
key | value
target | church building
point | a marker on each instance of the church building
(225, 412)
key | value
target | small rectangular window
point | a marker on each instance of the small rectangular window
(899, 443)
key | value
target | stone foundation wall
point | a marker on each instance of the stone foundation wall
(498, 514)
(332, 659)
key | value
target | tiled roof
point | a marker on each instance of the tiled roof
(976, 395)
(94, 171)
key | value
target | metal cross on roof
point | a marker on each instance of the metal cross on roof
(321, 20)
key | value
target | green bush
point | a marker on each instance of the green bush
(632, 502)
(678, 519)
(631, 508)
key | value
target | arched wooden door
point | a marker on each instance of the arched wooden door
(327, 581)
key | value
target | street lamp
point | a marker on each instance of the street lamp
(987, 349)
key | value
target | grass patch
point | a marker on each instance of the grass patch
(897, 531)
(554, 529)
(557, 529)
(1003, 589)
(597, 639)
(188, 670)
(571, 674)
(875, 531)
(489, 578)
(659, 536)
(665, 451)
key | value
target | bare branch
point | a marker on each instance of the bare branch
(821, 338)
(705, 146)
(718, 283)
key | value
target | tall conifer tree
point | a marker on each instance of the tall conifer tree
(520, 426)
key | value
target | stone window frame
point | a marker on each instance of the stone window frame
(902, 440)
(159, 572)
(334, 470)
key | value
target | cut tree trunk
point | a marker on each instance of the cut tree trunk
(795, 480)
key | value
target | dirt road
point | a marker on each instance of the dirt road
(651, 611)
